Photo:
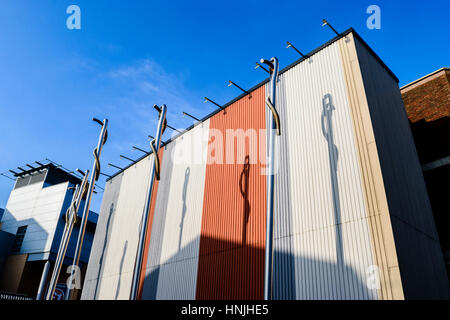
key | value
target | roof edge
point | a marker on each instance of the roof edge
(288, 67)
(425, 77)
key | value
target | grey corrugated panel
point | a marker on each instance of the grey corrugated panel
(284, 259)
(175, 238)
(285, 69)
(421, 265)
(123, 240)
(99, 250)
(327, 234)
(38, 208)
(179, 278)
(150, 286)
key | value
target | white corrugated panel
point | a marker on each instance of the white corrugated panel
(121, 251)
(174, 246)
(101, 242)
(321, 227)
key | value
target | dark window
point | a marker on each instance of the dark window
(19, 238)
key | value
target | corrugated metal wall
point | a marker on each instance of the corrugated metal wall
(101, 244)
(420, 258)
(322, 241)
(231, 262)
(322, 245)
(332, 225)
(171, 271)
(150, 217)
(38, 208)
(120, 253)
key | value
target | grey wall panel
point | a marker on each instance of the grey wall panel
(284, 272)
(174, 245)
(150, 286)
(411, 215)
(100, 244)
(321, 222)
(39, 209)
(178, 279)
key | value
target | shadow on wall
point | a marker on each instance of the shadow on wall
(121, 268)
(238, 273)
(183, 212)
(333, 157)
(235, 269)
(243, 188)
(105, 245)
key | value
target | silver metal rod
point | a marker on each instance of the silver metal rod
(65, 238)
(61, 251)
(268, 266)
(43, 280)
(87, 203)
(145, 218)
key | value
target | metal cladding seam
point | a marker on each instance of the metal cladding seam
(149, 230)
(322, 229)
(118, 266)
(231, 258)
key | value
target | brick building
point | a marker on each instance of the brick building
(427, 103)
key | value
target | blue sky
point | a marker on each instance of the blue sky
(130, 55)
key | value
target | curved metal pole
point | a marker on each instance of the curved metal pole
(62, 246)
(65, 238)
(274, 130)
(144, 224)
(94, 177)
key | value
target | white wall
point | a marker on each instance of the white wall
(175, 240)
(114, 280)
(322, 239)
(37, 208)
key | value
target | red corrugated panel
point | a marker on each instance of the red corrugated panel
(231, 257)
(149, 232)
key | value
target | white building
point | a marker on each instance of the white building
(32, 225)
